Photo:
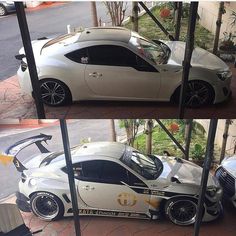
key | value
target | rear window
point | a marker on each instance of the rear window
(65, 39)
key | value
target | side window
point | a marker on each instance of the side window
(92, 170)
(111, 55)
(78, 172)
(113, 173)
(135, 181)
(79, 56)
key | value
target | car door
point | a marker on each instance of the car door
(105, 185)
(117, 72)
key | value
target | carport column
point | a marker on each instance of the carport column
(71, 178)
(188, 56)
(20, 11)
(205, 173)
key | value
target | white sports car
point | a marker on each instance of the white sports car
(226, 174)
(113, 179)
(118, 64)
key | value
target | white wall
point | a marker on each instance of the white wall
(231, 141)
(208, 12)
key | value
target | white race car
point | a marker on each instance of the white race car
(113, 179)
(226, 174)
(118, 64)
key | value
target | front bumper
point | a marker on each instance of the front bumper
(23, 202)
(24, 81)
(222, 90)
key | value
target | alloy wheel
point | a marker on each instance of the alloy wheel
(197, 94)
(45, 207)
(182, 212)
(52, 93)
(2, 11)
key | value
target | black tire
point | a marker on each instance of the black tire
(47, 206)
(181, 211)
(3, 10)
(199, 93)
(55, 93)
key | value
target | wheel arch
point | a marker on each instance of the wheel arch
(43, 79)
(177, 89)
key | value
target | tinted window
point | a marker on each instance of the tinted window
(80, 56)
(113, 173)
(135, 181)
(111, 55)
(92, 169)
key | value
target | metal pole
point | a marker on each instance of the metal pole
(171, 136)
(71, 178)
(205, 173)
(188, 56)
(157, 21)
(20, 12)
(178, 20)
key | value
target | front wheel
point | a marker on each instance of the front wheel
(181, 211)
(46, 206)
(198, 93)
(3, 10)
(55, 92)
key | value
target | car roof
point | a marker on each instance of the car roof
(105, 33)
(109, 149)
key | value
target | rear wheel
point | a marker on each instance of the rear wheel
(46, 206)
(199, 93)
(55, 92)
(3, 10)
(181, 211)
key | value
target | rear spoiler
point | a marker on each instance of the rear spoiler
(14, 149)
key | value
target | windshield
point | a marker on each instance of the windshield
(157, 52)
(147, 166)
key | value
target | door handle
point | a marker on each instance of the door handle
(95, 74)
(87, 187)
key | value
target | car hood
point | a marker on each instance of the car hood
(229, 163)
(200, 57)
(185, 171)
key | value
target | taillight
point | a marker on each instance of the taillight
(23, 66)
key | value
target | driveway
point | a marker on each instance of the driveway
(104, 226)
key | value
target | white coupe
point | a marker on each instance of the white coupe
(118, 64)
(113, 179)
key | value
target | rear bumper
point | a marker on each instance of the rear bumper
(23, 202)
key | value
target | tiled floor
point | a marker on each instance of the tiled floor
(13, 104)
(104, 226)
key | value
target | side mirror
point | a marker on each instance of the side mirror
(175, 180)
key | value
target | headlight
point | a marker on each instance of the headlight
(224, 75)
(211, 191)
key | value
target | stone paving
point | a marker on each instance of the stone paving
(14, 104)
(104, 226)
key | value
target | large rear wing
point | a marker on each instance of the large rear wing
(14, 149)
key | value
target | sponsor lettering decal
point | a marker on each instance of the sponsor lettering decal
(112, 213)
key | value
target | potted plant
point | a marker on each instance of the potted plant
(228, 44)
(198, 154)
